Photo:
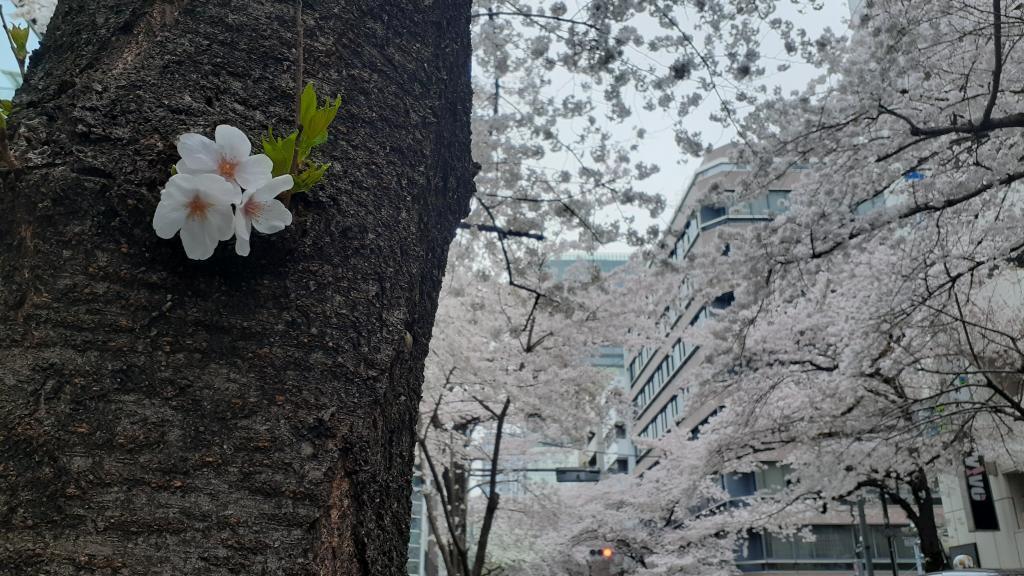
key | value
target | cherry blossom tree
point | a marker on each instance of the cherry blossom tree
(876, 331)
(295, 373)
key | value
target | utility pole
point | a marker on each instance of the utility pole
(865, 540)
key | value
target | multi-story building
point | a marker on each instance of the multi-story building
(660, 379)
(984, 508)
(610, 450)
(662, 382)
(419, 530)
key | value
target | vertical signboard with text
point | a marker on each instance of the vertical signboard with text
(979, 494)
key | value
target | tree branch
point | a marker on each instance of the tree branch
(501, 231)
(492, 494)
(452, 532)
(538, 17)
(997, 69)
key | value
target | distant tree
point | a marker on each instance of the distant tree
(876, 333)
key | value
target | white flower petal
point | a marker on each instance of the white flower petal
(197, 238)
(273, 218)
(184, 167)
(199, 152)
(272, 189)
(254, 171)
(241, 246)
(221, 222)
(243, 228)
(233, 143)
(217, 190)
(179, 188)
(169, 217)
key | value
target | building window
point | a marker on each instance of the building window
(686, 238)
(723, 301)
(778, 201)
(709, 214)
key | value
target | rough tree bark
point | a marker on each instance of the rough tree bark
(935, 558)
(240, 415)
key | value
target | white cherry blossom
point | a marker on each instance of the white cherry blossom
(200, 207)
(260, 209)
(228, 157)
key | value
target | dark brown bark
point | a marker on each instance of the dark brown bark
(935, 558)
(920, 511)
(239, 415)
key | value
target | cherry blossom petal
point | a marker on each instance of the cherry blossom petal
(169, 217)
(254, 171)
(273, 188)
(199, 153)
(233, 143)
(241, 245)
(273, 218)
(217, 190)
(221, 222)
(179, 187)
(243, 227)
(198, 239)
(185, 168)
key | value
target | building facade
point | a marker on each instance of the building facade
(662, 381)
(984, 507)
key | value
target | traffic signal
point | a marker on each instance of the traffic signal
(607, 552)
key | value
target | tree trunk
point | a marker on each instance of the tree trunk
(934, 554)
(235, 416)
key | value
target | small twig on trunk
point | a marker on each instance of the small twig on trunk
(10, 40)
(299, 86)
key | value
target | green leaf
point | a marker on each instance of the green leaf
(19, 37)
(6, 108)
(309, 178)
(280, 151)
(174, 170)
(314, 132)
(307, 105)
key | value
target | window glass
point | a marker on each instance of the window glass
(778, 201)
(738, 485)
(759, 206)
(711, 213)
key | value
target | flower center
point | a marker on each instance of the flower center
(197, 208)
(226, 168)
(253, 210)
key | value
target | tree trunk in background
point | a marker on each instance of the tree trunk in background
(935, 558)
(236, 416)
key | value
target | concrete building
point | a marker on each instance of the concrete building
(419, 531)
(610, 451)
(659, 379)
(984, 507)
(661, 383)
